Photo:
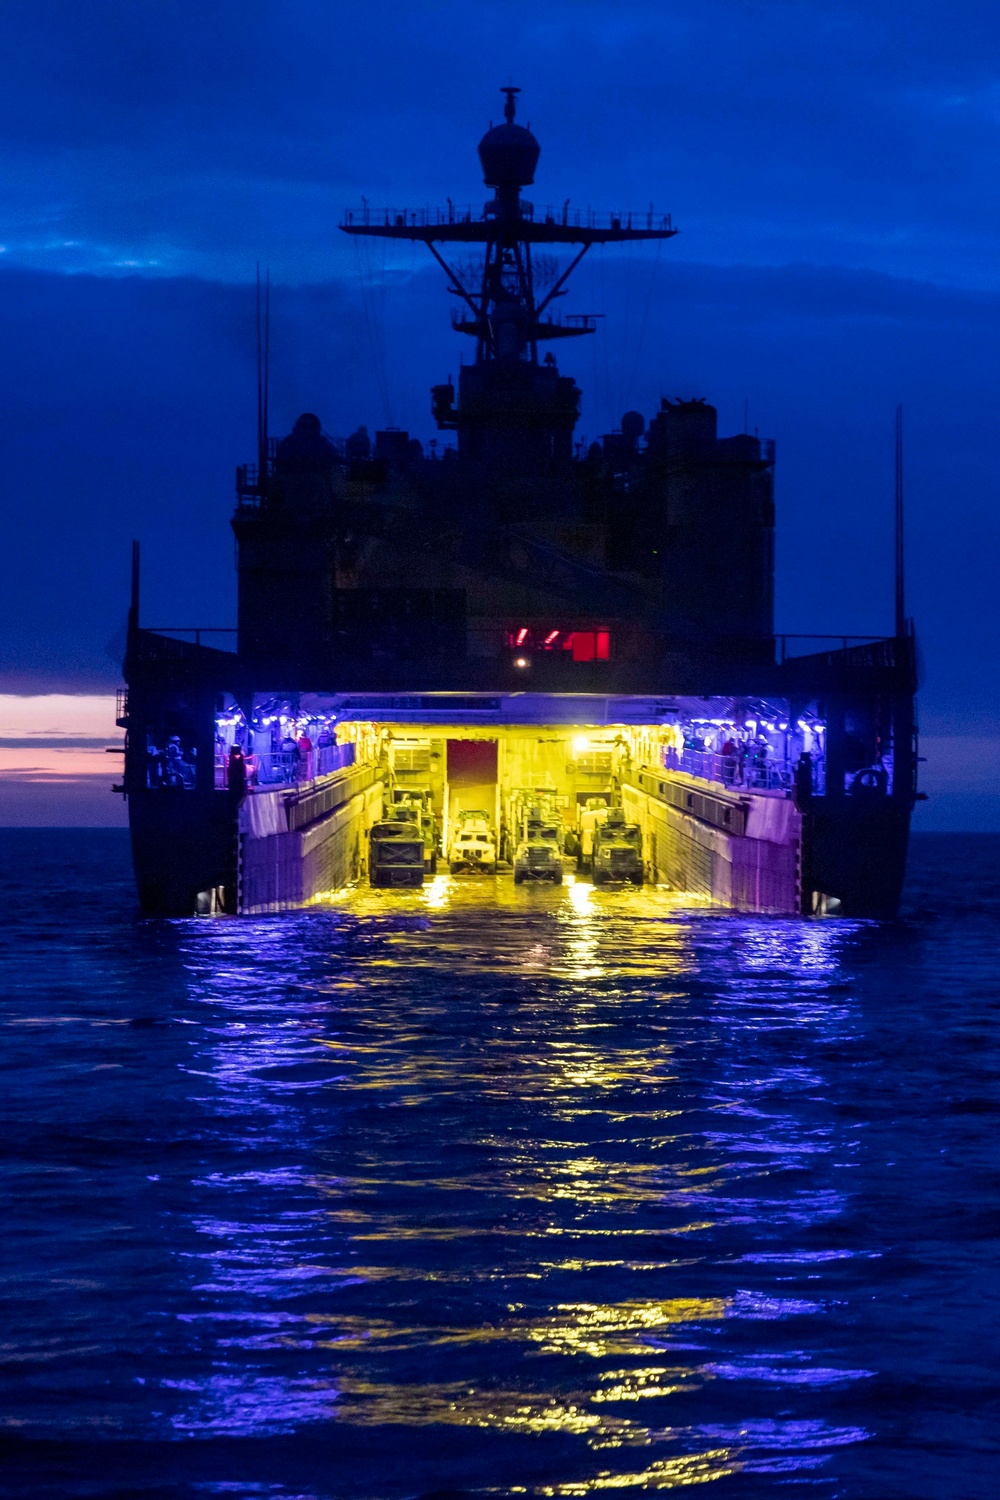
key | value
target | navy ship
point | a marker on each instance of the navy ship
(508, 633)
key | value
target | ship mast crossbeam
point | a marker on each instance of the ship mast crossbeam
(529, 231)
(506, 317)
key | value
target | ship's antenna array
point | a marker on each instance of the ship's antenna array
(502, 312)
(133, 608)
(900, 555)
(263, 376)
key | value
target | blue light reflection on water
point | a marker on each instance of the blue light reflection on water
(542, 1193)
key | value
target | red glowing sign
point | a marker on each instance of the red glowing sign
(584, 645)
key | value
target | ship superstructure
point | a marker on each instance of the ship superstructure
(514, 615)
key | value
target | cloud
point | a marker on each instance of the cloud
(185, 137)
(56, 764)
(36, 719)
(54, 767)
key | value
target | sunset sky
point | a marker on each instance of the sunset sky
(832, 167)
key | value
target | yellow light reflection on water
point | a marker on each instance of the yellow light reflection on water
(435, 893)
(581, 896)
(664, 1474)
(568, 1138)
(588, 1328)
(635, 1385)
(616, 1328)
(372, 1404)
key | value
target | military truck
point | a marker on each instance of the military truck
(417, 807)
(617, 850)
(474, 844)
(396, 854)
(538, 856)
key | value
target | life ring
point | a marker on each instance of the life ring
(873, 781)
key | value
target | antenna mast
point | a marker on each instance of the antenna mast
(503, 314)
(900, 556)
(263, 379)
(133, 609)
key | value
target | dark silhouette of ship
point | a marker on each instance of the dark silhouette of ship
(508, 591)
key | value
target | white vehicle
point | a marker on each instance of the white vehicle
(473, 847)
(475, 817)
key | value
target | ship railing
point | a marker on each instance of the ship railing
(438, 218)
(820, 645)
(748, 773)
(574, 322)
(281, 768)
(193, 634)
(248, 486)
(252, 489)
(286, 767)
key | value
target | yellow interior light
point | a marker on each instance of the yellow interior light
(581, 744)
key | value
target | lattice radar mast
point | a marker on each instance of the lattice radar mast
(502, 312)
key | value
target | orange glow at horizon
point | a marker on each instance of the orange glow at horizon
(89, 716)
(51, 764)
(32, 727)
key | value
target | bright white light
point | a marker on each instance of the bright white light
(436, 892)
(581, 744)
(521, 661)
(580, 893)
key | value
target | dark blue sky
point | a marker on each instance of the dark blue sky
(833, 168)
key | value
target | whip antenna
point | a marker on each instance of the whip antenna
(133, 609)
(263, 378)
(267, 372)
(900, 556)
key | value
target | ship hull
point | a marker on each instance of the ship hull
(847, 859)
(183, 852)
(854, 855)
(725, 847)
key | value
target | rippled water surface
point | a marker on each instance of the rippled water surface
(494, 1192)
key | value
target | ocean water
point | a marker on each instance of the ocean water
(490, 1192)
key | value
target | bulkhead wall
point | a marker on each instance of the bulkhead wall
(758, 870)
(282, 868)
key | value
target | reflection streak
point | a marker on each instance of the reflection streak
(462, 1076)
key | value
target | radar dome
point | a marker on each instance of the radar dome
(509, 153)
